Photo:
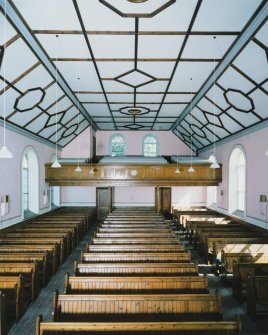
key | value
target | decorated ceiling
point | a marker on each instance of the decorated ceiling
(198, 68)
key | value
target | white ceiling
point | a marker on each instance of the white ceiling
(196, 67)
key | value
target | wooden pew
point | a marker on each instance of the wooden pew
(136, 285)
(65, 219)
(139, 328)
(136, 307)
(3, 315)
(52, 252)
(135, 241)
(240, 276)
(140, 230)
(127, 235)
(228, 259)
(135, 257)
(13, 287)
(29, 272)
(50, 228)
(23, 240)
(257, 293)
(40, 244)
(135, 225)
(135, 248)
(70, 233)
(134, 269)
(41, 258)
(244, 244)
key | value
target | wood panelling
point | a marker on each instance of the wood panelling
(151, 175)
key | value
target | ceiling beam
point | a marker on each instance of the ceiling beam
(21, 26)
(249, 31)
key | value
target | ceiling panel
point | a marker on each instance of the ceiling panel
(218, 15)
(144, 62)
(51, 14)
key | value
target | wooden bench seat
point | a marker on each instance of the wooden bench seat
(140, 230)
(135, 257)
(67, 218)
(70, 233)
(29, 272)
(228, 258)
(50, 228)
(244, 244)
(136, 307)
(58, 224)
(134, 226)
(13, 287)
(137, 240)
(148, 285)
(41, 258)
(152, 235)
(135, 248)
(134, 269)
(240, 275)
(22, 239)
(257, 294)
(52, 253)
(61, 245)
(139, 328)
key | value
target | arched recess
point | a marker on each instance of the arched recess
(117, 145)
(54, 190)
(212, 190)
(150, 146)
(30, 183)
(237, 182)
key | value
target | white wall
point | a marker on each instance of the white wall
(254, 145)
(10, 174)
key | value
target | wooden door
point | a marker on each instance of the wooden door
(163, 201)
(104, 201)
(166, 202)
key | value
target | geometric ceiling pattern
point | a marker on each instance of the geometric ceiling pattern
(196, 67)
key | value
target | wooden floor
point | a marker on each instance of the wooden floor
(43, 304)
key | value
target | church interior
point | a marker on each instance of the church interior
(133, 167)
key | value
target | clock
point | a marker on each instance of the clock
(133, 173)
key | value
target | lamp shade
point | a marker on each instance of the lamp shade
(78, 169)
(5, 153)
(191, 169)
(214, 165)
(177, 170)
(56, 164)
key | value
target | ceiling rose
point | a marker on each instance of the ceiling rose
(137, 1)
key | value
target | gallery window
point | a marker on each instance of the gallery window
(150, 146)
(117, 145)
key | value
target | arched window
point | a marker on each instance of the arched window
(117, 145)
(30, 183)
(150, 146)
(25, 184)
(237, 182)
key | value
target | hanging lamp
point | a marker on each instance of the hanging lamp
(191, 169)
(4, 152)
(78, 168)
(214, 164)
(56, 164)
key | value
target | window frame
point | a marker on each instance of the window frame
(156, 145)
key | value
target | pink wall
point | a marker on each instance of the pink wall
(168, 142)
(254, 145)
(10, 171)
(189, 195)
(83, 142)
